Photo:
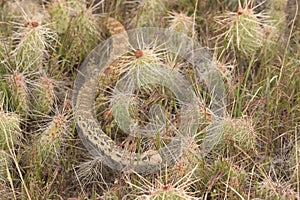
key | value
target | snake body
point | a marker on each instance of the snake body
(98, 143)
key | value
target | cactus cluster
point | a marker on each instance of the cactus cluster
(255, 47)
(78, 28)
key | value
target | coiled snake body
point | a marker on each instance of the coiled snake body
(100, 144)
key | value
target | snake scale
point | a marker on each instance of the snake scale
(97, 142)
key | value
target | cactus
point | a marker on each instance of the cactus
(18, 86)
(45, 152)
(277, 9)
(34, 41)
(10, 132)
(237, 132)
(43, 95)
(242, 30)
(274, 28)
(21, 11)
(32, 35)
(182, 23)
(78, 28)
(51, 139)
(59, 15)
(166, 186)
(151, 13)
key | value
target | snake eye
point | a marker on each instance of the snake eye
(138, 53)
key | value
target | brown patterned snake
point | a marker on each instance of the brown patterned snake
(97, 142)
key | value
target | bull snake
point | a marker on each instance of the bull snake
(97, 142)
